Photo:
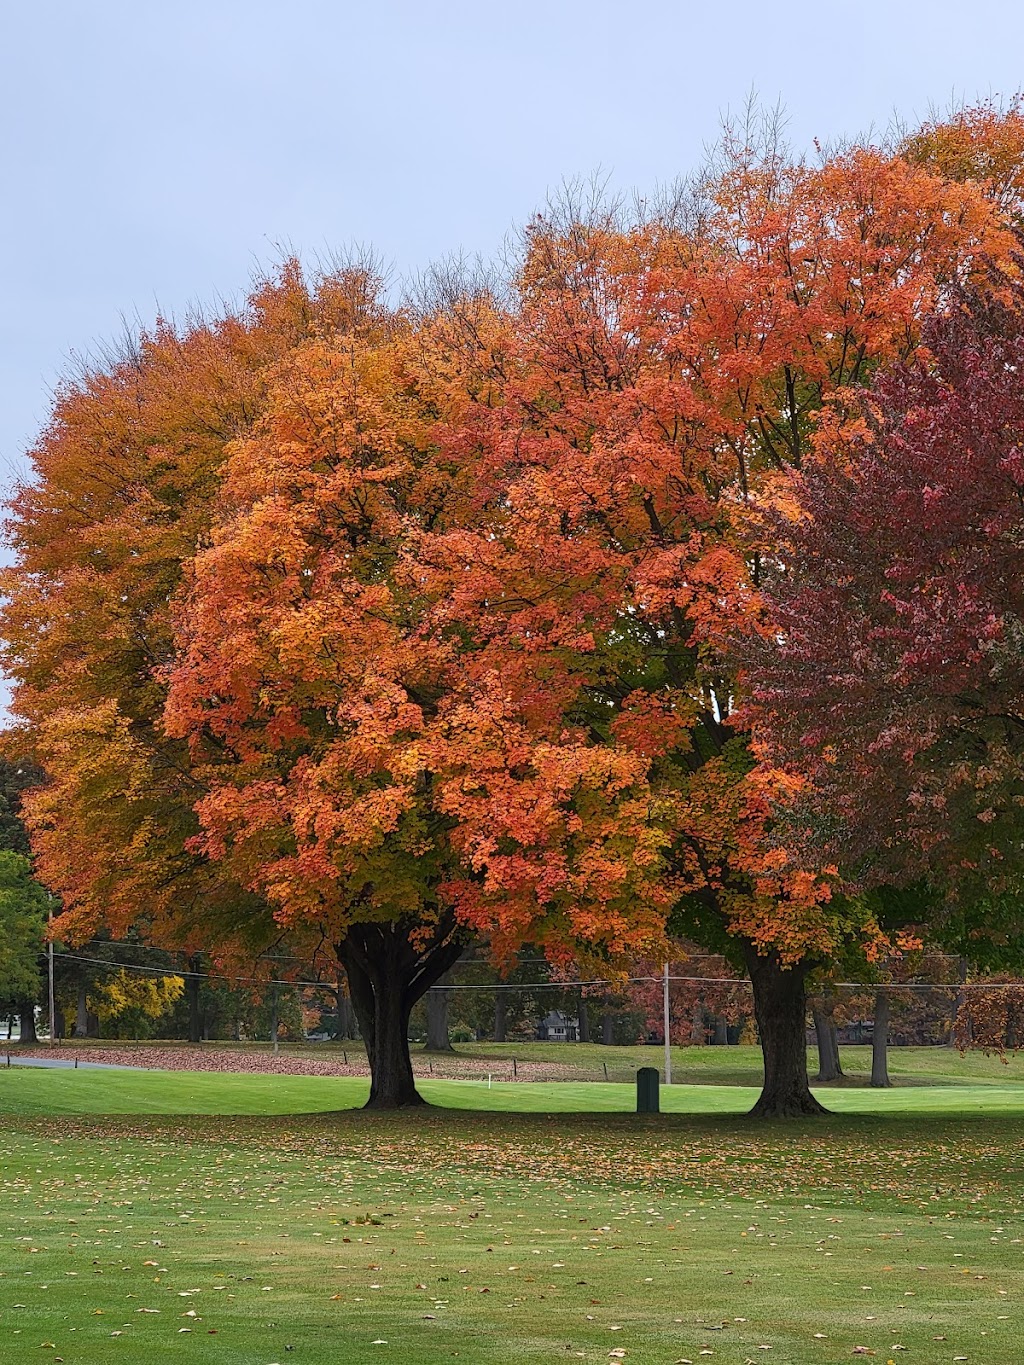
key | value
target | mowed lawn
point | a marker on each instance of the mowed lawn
(590, 1061)
(191, 1217)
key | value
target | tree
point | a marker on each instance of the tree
(389, 629)
(438, 1001)
(325, 707)
(663, 372)
(23, 906)
(129, 1004)
(307, 690)
(893, 680)
(981, 143)
(124, 475)
(16, 778)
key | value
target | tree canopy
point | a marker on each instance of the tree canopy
(385, 625)
(893, 676)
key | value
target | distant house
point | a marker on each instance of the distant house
(557, 1027)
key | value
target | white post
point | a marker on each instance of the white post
(668, 1032)
(49, 965)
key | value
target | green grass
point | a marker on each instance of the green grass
(28, 1091)
(497, 1238)
(690, 1065)
(742, 1065)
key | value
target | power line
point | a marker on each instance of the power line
(553, 985)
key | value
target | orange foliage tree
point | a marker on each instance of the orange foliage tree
(452, 652)
(662, 374)
(124, 477)
(323, 707)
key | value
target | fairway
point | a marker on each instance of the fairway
(207, 1224)
(30, 1091)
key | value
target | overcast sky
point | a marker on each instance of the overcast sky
(155, 151)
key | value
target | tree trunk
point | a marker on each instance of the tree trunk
(880, 1042)
(697, 1035)
(500, 1023)
(959, 1001)
(608, 1028)
(780, 1007)
(388, 971)
(27, 1015)
(438, 1039)
(584, 1018)
(192, 986)
(721, 1038)
(82, 1013)
(344, 1014)
(827, 1037)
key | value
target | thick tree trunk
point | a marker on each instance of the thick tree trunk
(192, 986)
(27, 1016)
(608, 1028)
(388, 971)
(880, 1042)
(500, 1020)
(438, 1039)
(830, 1067)
(584, 1018)
(780, 1007)
(698, 1037)
(721, 1038)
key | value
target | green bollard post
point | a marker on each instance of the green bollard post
(647, 1083)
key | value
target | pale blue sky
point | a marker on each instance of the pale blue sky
(152, 153)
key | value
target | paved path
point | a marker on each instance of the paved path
(68, 1063)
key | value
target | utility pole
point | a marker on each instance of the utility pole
(668, 1031)
(49, 965)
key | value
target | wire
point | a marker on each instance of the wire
(468, 962)
(556, 985)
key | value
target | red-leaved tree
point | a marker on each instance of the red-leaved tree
(893, 676)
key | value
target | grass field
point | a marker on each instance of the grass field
(742, 1065)
(192, 1217)
(690, 1065)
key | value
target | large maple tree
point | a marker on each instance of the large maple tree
(324, 707)
(663, 373)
